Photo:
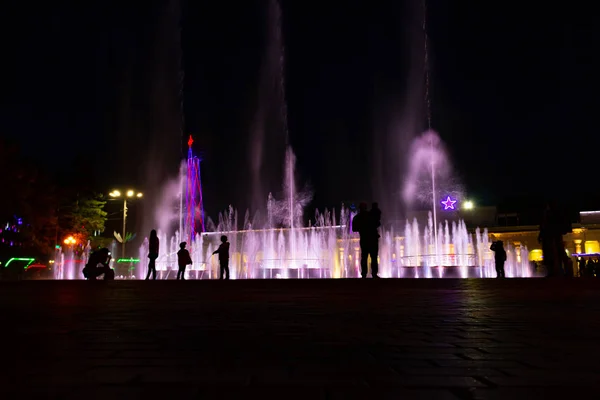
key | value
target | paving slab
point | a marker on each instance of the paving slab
(317, 339)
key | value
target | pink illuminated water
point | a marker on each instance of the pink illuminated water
(328, 250)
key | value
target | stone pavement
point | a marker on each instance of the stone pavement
(314, 339)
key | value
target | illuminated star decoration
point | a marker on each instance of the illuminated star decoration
(448, 203)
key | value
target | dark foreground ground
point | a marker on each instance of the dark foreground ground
(313, 339)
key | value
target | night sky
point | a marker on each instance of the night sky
(91, 92)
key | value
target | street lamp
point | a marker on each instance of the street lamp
(70, 241)
(130, 194)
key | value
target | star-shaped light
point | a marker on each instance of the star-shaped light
(448, 203)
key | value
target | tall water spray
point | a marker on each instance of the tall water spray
(290, 158)
(269, 132)
(284, 248)
(291, 183)
(428, 111)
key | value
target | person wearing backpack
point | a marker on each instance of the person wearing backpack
(183, 260)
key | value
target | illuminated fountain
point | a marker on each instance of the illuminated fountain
(328, 250)
(283, 248)
(70, 261)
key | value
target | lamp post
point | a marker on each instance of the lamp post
(70, 241)
(130, 194)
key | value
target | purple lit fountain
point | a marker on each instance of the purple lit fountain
(280, 246)
(283, 248)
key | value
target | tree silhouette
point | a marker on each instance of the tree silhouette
(28, 200)
(83, 215)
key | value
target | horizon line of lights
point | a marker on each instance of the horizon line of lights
(588, 212)
(275, 229)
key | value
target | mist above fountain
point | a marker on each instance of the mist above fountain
(430, 182)
(288, 212)
(430, 173)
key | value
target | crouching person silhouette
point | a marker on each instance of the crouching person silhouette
(183, 260)
(99, 264)
(223, 252)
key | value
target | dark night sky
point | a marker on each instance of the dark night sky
(91, 92)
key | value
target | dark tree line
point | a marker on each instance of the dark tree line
(35, 214)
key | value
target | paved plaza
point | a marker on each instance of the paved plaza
(301, 339)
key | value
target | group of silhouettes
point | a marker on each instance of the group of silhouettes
(366, 223)
(184, 259)
(99, 261)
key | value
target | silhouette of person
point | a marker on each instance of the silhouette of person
(590, 267)
(223, 252)
(183, 260)
(152, 254)
(99, 264)
(552, 229)
(376, 214)
(499, 257)
(364, 224)
(581, 266)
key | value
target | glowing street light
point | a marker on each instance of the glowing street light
(117, 194)
(70, 241)
(468, 205)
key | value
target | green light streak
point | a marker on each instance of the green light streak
(29, 261)
(128, 260)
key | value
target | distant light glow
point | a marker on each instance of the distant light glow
(130, 193)
(70, 240)
(468, 205)
(589, 212)
(115, 193)
(139, 195)
(128, 260)
(448, 203)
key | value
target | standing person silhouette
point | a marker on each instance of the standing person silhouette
(499, 257)
(223, 252)
(364, 224)
(552, 228)
(152, 254)
(183, 260)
